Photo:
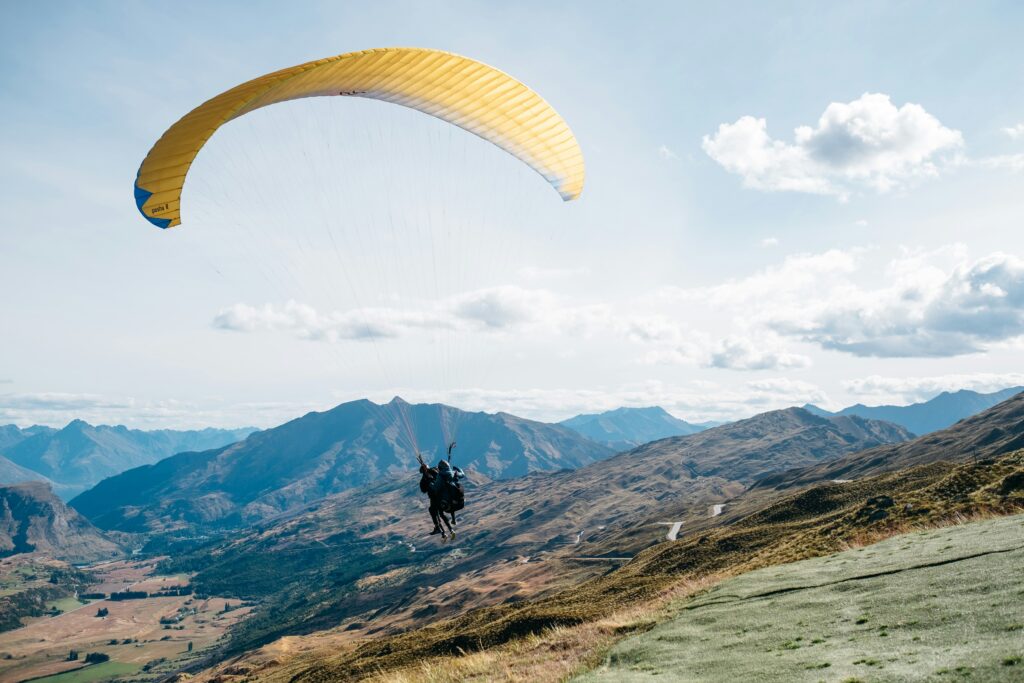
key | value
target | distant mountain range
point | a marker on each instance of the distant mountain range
(33, 519)
(80, 455)
(938, 413)
(625, 428)
(318, 454)
(991, 433)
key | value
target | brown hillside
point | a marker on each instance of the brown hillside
(1000, 429)
(33, 519)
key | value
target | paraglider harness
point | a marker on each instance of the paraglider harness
(441, 483)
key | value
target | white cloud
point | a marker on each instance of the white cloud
(306, 323)
(502, 307)
(492, 309)
(666, 340)
(937, 303)
(694, 401)
(1015, 132)
(879, 389)
(924, 311)
(770, 242)
(925, 304)
(742, 353)
(666, 153)
(57, 409)
(1005, 162)
(798, 276)
(674, 346)
(866, 144)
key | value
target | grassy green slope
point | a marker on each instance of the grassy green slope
(946, 604)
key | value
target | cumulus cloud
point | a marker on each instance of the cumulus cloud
(672, 345)
(742, 353)
(866, 144)
(306, 323)
(666, 153)
(770, 242)
(935, 303)
(502, 307)
(960, 311)
(486, 310)
(665, 340)
(796, 278)
(911, 389)
(1015, 132)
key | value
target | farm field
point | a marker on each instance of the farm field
(131, 632)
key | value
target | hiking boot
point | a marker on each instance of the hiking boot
(437, 530)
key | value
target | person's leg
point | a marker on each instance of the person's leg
(433, 516)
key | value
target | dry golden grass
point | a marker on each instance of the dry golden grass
(558, 654)
(555, 654)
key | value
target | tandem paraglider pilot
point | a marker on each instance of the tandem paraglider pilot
(444, 490)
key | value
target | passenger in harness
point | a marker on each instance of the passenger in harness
(453, 498)
(441, 484)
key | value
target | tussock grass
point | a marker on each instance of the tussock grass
(554, 654)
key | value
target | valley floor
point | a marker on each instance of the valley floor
(131, 633)
(945, 605)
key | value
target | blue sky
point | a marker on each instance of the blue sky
(720, 262)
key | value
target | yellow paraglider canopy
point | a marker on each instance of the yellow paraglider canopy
(459, 90)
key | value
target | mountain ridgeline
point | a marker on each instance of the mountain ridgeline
(625, 428)
(80, 455)
(318, 454)
(990, 433)
(943, 411)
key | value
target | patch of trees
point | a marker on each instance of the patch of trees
(129, 595)
(96, 658)
(173, 591)
(102, 612)
(93, 596)
(153, 663)
(32, 602)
